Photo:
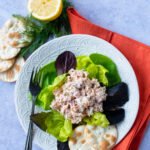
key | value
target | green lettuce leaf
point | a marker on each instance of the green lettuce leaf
(112, 74)
(54, 123)
(66, 130)
(46, 95)
(83, 62)
(59, 80)
(97, 119)
(58, 126)
(95, 71)
(102, 75)
(47, 74)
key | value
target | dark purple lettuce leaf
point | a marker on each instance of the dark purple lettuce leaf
(62, 145)
(115, 116)
(117, 96)
(64, 62)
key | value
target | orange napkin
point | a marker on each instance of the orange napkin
(138, 55)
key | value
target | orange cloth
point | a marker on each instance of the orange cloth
(138, 55)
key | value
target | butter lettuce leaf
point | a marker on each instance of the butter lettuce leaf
(112, 74)
(66, 130)
(97, 119)
(46, 74)
(54, 123)
(83, 62)
(102, 75)
(46, 96)
(95, 71)
(59, 80)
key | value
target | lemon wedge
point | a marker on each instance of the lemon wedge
(46, 10)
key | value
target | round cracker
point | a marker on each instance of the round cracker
(16, 35)
(7, 51)
(6, 64)
(88, 137)
(17, 39)
(12, 74)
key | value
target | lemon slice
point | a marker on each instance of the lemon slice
(46, 10)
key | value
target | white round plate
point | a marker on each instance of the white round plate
(79, 45)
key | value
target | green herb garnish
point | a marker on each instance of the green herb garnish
(41, 31)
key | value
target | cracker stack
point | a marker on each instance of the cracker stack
(12, 39)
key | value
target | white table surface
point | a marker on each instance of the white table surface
(128, 17)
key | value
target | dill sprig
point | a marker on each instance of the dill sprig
(41, 31)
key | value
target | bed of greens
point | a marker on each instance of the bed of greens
(53, 75)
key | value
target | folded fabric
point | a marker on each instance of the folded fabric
(138, 55)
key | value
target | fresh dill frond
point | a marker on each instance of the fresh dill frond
(41, 31)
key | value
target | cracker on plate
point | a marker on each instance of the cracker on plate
(88, 137)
